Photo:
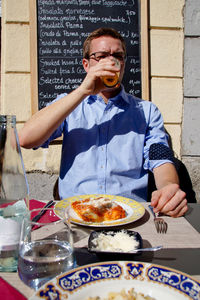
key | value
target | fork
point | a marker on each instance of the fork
(161, 225)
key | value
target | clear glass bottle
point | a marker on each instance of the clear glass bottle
(13, 193)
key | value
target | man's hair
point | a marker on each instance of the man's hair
(98, 33)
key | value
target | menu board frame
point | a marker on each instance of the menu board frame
(144, 52)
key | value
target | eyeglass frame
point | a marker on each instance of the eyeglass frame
(107, 54)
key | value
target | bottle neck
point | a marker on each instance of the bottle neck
(8, 119)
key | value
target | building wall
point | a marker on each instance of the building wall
(190, 149)
(166, 31)
(166, 57)
(16, 79)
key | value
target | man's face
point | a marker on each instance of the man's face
(106, 44)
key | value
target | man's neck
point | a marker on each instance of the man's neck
(106, 95)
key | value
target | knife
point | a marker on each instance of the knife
(42, 212)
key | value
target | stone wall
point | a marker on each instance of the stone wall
(16, 80)
(166, 56)
(190, 131)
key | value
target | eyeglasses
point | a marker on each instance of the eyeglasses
(121, 56)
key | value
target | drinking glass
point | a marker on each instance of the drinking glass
(45, 249)
(110, 81)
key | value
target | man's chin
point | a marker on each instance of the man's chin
(112, 89)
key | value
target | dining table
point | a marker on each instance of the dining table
(181, 245)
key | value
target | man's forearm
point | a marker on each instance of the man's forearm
(169, 198)
(165, 174)
(42, 124)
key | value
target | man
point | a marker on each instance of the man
(110, 138)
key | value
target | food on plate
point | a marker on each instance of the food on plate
(123, 295)
(119, 241)
(98, 209)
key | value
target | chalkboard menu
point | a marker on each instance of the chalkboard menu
(62, 27)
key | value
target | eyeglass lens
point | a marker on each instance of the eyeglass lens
(100, 55)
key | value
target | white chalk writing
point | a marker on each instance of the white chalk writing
(62, 28)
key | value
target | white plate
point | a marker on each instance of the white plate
(101, 278)
(134, 210)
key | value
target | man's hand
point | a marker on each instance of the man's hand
(170, 200)
(92, 84)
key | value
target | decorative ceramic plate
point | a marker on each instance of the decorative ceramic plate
(101, 278)
(134, 210)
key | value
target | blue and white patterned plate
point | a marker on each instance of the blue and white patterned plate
(134, 210)
(101, 278)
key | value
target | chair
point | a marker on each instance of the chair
(55, 191)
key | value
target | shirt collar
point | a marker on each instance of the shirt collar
(122, 96)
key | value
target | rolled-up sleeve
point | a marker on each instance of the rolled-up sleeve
(156, 148)
(57, 133)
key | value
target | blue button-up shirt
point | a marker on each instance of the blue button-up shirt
(106, 146)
